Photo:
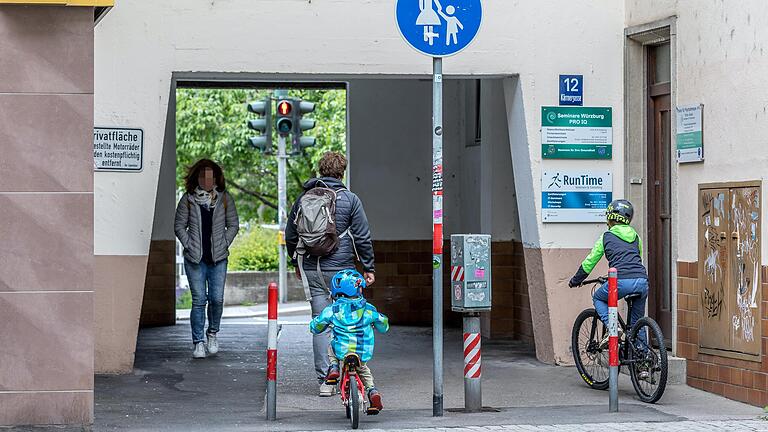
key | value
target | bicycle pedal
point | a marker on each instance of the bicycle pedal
(372, 411)
(332, 382)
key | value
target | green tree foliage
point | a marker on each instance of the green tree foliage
(254, 250)
(212, 123)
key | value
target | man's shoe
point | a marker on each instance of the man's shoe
(213, 343)
(199, 352)
(327, 390)
(333, 375)
(374, 400)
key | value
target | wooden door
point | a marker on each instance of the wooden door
(659, 215)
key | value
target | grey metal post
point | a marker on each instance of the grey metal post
(613, 389)
(437, 236)
(281, 218)
(473, 392)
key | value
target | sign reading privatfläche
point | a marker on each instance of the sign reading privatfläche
(576, 132)
(690, 141)
(118, 149)
(575, 196)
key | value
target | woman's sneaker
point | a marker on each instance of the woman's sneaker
(374, 399)
(213, 343)
(199, 352)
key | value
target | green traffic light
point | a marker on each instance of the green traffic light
(284, 125)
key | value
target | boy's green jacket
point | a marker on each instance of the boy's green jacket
(623, 249)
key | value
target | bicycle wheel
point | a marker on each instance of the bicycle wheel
(648, 368)
(354, 403)
(589, 344)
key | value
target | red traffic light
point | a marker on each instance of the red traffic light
(284, 107)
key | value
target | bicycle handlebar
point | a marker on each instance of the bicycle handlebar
(600, 280)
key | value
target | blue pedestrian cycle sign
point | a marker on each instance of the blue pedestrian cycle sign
(439, 28)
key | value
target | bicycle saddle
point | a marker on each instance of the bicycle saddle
(632, 297)
(352, 359)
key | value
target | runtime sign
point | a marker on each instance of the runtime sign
(576, 132)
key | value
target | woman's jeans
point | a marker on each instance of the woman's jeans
(626, 287)
(212, 277)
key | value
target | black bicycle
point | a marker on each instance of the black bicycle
(646, 359)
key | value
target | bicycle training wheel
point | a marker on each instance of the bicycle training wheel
(354, 403)
(589, 344)
(648, 367)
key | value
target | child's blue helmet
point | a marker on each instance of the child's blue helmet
(348, 283)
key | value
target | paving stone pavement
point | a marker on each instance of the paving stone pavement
(681, 426)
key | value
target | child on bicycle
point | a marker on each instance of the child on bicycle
(352, 320)
(623, 248)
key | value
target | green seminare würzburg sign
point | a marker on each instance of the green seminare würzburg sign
(576, 132)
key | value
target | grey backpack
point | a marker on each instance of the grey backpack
(316, 222)
(316, 227)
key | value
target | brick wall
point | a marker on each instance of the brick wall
(742, 380)
(159, 305)
(403, 288)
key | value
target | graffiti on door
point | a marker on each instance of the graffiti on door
(729, 269)
(745, 214)
(715, 243)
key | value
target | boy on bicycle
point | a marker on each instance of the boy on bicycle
(352, 321)
(623, 248)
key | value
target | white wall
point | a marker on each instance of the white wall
(390, 159)
(133, 73)
(722, 59)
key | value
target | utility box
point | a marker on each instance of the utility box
(470, 272)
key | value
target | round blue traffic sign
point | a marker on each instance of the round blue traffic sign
(438, 28)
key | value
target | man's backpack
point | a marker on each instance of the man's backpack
(316, 222)
(316, 227)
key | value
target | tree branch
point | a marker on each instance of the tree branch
(260, 197)
(295, 175)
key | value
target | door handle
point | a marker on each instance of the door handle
(735, 235)
(723, 236)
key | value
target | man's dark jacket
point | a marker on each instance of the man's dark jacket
(349, 215)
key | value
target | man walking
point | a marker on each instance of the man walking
(349, 227)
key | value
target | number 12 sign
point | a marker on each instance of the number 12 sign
(571, 90)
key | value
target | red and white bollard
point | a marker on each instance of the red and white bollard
(272, 353)
(613, 340)
(473, 394)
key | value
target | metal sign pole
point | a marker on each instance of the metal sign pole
(281, 218)
(437, 235)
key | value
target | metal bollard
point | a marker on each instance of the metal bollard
(473, 392)
(272, 353)
(613, 341)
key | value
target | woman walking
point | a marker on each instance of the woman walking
(206, 223)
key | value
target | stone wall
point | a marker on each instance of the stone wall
(734, 378)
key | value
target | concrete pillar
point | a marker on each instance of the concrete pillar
(46, 215)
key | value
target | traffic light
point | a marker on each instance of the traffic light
(263, 125)
(300, 124)
(285, 116)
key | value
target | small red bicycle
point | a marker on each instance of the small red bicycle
(352, 390)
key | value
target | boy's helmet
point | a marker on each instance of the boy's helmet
(620, 211)
(347, 282)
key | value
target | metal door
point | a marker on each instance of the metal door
(713, 268)
(729, 270)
